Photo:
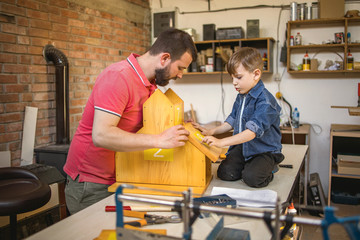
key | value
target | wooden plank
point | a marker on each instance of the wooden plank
(158, 113)
(178, 105)
(187, 168)
(28, 141)
(197, 191)
(5, 159)
(195, 138)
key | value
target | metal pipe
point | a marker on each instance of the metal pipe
(58, 58)
(186, 214)
(220, 210)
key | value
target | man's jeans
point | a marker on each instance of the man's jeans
(81, 195)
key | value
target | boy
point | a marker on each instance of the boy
(255, 147)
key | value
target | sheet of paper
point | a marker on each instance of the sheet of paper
(247, 198)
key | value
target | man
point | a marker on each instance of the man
(113, 115)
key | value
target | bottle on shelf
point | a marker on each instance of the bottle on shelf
(265, 61)
(349, 61)
(296, 118)
(306, 62)
(298, 39)
(292, 43)
(358, 95)
(348, 37)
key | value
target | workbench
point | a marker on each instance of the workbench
(88, 223)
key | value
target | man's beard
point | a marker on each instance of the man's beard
(162, 76)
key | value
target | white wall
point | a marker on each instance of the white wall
(312, 95)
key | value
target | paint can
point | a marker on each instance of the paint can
(302, 11)
(309, 11)
(293, 11)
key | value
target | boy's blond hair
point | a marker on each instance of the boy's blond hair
(249, 57)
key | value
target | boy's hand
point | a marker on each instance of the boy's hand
(204, 131)
(212, 141)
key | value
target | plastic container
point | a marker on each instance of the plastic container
(292, 41)
(296, 118)
(298, 39)
(306, 62)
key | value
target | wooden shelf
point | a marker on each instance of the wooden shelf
(203, 73)
(344, 139)
(233, 40)
(319, 21)
(342, 45)
(335, 174)
(214, 73)
(353, 111)
(340, 49)
(265, 45)
(354, 45)
(323, 71)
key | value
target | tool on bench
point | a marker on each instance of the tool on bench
(145, 208)
(286, 165)
(148, 219)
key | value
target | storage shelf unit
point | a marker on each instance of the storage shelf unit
(343, 139)
(264, 45)
(346, 25)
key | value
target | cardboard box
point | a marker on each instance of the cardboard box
(314, 64)
(331, 8)
(348, 164)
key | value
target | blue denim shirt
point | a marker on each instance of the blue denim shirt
(261, 114)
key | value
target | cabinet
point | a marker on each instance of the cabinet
(344, 139)
(302, 137)
(325, 30)
(209, 53)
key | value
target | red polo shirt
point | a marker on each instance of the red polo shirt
(121, 89)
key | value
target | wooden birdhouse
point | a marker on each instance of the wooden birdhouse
(174, 169)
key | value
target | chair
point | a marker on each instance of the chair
(20, 191)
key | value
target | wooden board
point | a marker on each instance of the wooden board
(186, 169)
(111, 234)
(195, 138)
(196, 191)
(158, 113)
(28, 140)
(178, 104)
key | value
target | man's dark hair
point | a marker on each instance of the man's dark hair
(176, 42)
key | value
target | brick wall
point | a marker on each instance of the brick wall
(91, 39)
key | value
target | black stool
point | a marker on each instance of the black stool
(20, 191)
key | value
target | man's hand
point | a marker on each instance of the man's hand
(173, 137)
(213, 141)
